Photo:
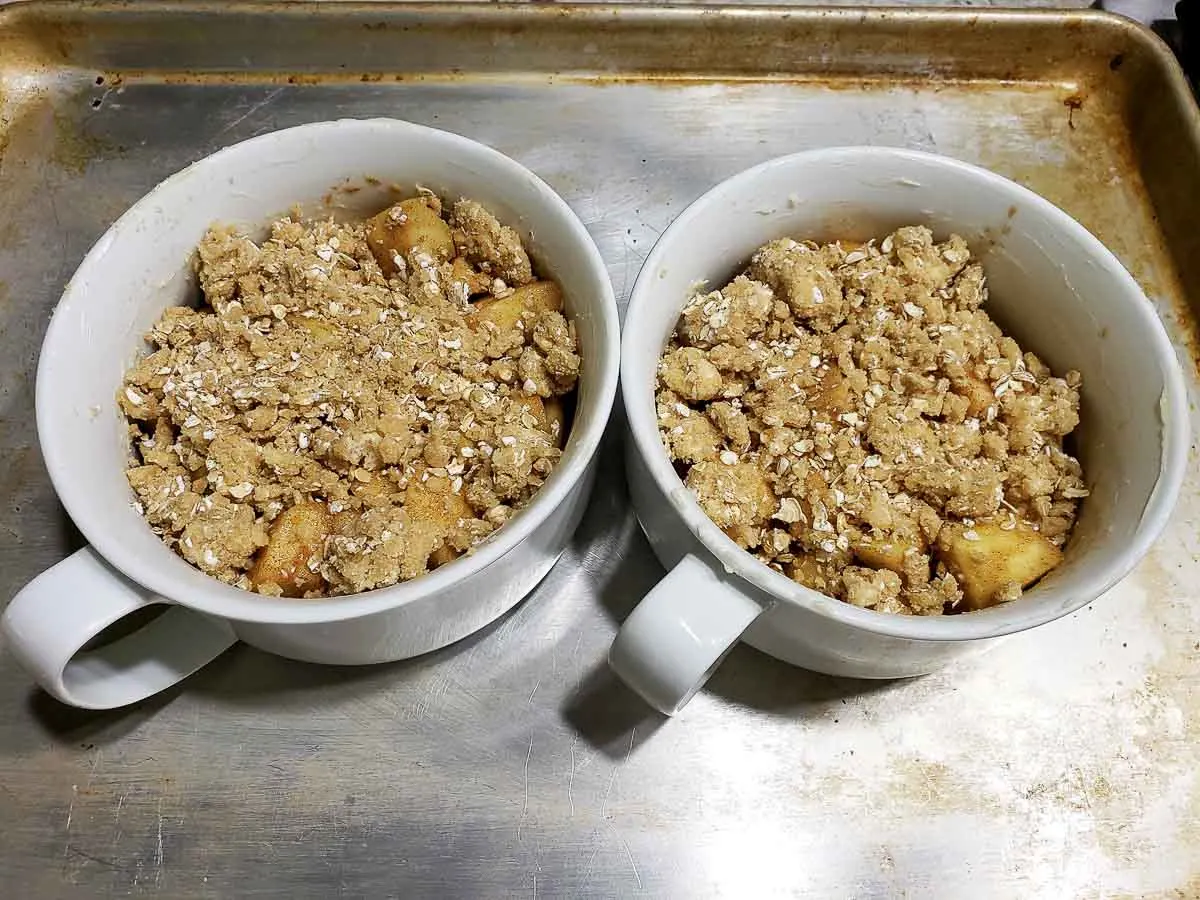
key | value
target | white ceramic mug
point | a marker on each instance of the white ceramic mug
(140, 267)
(1054, 287)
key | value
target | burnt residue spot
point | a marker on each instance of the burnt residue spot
(1074, 103)
(1117, 61)
(1012, 211)
(99, 80)
(96, 101)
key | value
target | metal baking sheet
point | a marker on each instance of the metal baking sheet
(1061, 764)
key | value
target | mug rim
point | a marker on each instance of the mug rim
(210, 595)
(993, 622)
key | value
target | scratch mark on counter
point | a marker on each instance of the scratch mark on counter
(625, 254)
(248, 113)
(158, 847)
(67, 849)
(587, 872)
(529, 702)
(611, 781)
(629, 854)
(525, 808)
(70, 813)
(96, 859)
(616, 769)
(1083, 790)
(578, 645)
(117, 832)
(571, 778)
(49, 193)
(528, 756)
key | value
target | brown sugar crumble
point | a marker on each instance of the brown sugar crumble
(353, 404)
(853, 417)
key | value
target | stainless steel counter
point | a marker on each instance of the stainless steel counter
(1063, 763)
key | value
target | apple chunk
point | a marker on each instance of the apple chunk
(986, 559)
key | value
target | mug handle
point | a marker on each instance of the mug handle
(53, 618)
(680, 632)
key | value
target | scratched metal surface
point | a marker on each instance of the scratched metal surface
(1061, 764)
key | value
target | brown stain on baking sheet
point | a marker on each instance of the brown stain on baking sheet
(44, 127)
(73, 147)
(1102, 182)
(559, 39)
(33, 41)
(1074, 104)
(1168, 697)
(1190, 891)
(936, 787)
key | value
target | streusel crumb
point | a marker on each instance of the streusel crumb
(854, 418)
(353, 404)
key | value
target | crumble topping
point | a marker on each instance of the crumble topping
(352, 404)
(853, 417)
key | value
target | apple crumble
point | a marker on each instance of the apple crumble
(352, 404)
(854, 418)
